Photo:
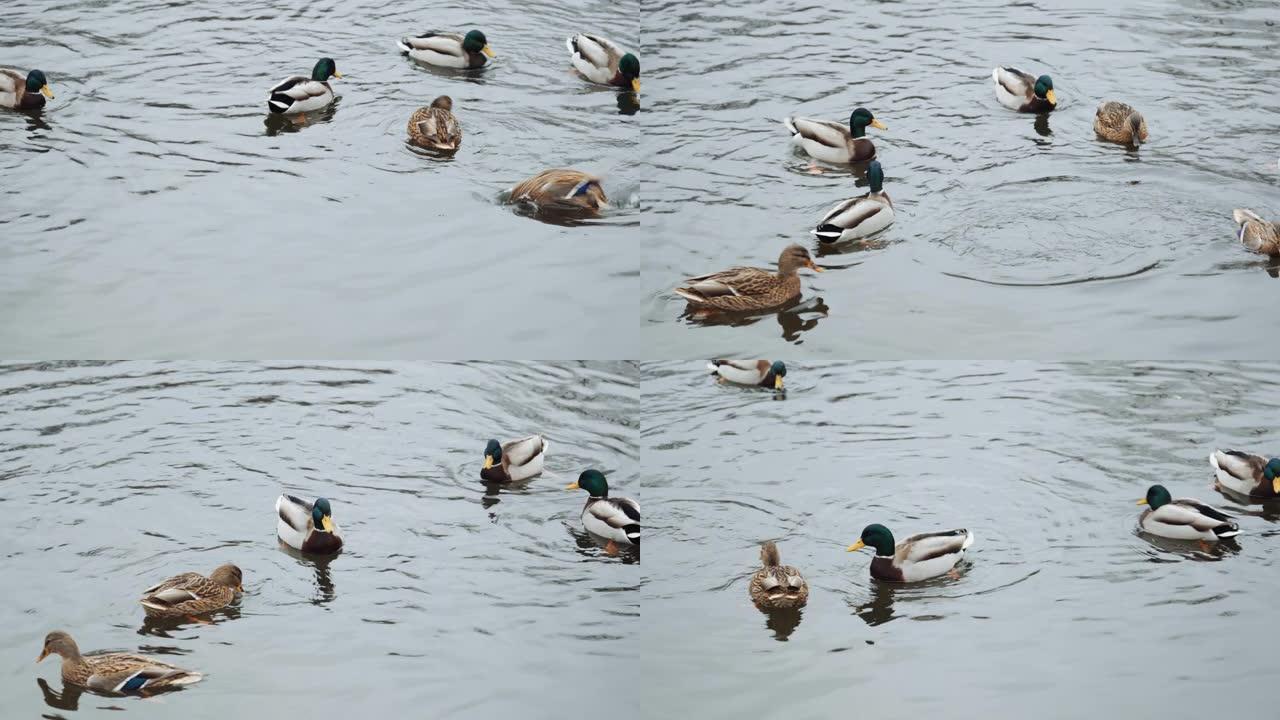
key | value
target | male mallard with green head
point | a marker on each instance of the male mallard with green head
(307, 527)
(861, 216)
(514, 460)
(448, 49)
(299, 94)
(776, 586)
(1120, 123)
(601, 61)
(191, 594)
(1184, 518)
(1245, 474)
(835, 143)
(919, 557)
(1022, 91)
(113, 672)
(616, 519)
(1258, 235)
(750, 372)
(745, 289)
(434, 127)
(23, 92)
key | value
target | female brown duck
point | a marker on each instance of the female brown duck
(561, 190)
(191, 594)
(113, 672)
(740, 289)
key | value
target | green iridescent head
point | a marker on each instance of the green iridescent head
(475, 42)
(876, 536)
(325, 68)
(593, 482)
(1044, 89)
(860, 119)
(1157, 496)
(875, 176)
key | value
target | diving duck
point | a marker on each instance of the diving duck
(300, 94)
(834, 143)
(776, 586)
(561, 190)
(308, 527)
(917, 558)
(514, 460)
(602, 62)
(750, 372)
(435, 127)
(740, 289)
(1184, 518)
(23, 92)
(1246, 474)
(1120, 123)
(861, 216)
(616, 519)
(113, 672)
(1021, 91)
(446, 49)
(1258, 235)
(191, 594)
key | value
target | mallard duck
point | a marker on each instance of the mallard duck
(776, 586)
(602, 62)
(191, 594)
(741, 289)
(435, 126)
(1120, 123)
(750, 372)
(300, 94)
(1023, 92)
(858, 217)
(832, 142)
(561, 190)
(1257, 234)
(917, 558)
(23, 92)
(615, 519)
(1246, 474)
(308, 527)
(447, 49)
(113, 672)
(1184, 518)
(514, 460)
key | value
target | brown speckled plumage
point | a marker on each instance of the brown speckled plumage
(746, 288)
(192, 593)
(1257, 234)
(561, 190)
(435, 127)
(1117, 122)
(776, 586)
(114, 672)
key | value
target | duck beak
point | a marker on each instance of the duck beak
(571, 486)
(487, 52)
(45, 91)
(327, 523)
(635, 85)
(878, 125)
(855, 547)
(488, 461)
(1275, 486)
(1053, 99)
(240, 587)
(337, 74)
(43, 654)
(1143, 501)
(812, 266)
(777, 382)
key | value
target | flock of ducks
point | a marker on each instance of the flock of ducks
(308, 527)
(557, 191)
(750, 289)
(929, 555)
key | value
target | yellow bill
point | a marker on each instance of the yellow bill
(1143, 501)
(777, 382)
(1275, 485)
(855, 547)
(488, 461)
(571, 486)
(878, 125)
(44, 90)
(635, 85)
(327, 523)
(487, 52)
(1051, 97)
(337, 74)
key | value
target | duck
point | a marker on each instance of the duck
(1184, 518)
(750, 372)
(743, 289)
(448, 49)
(1258, 235)
(307, 527)
(832, 142)
(514, 460)
(601, 61)
(919, 557)
(116, 673)
(191, 594)
(23, 92)
(1245, 474)
(861, 216)
(1120, 123)
(616, 519)
(776, 586)
(435, 127)
(1021, 91)
(562, 190)
(299, 94)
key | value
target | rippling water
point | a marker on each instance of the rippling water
(1059, 593)
(1006, 224)
(449, 600)
(154, 170)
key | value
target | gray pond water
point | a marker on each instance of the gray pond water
(1061, 609)
(151, 209)
(450, 599)
(1008, 225)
